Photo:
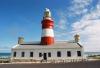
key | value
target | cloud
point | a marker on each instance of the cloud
(60, 28)
(88, 24)
(89, 27)
(76, 7)
(79, 6)
(92, 33)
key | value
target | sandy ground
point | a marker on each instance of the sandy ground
(89, 64)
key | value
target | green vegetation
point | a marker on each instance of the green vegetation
(94, 57)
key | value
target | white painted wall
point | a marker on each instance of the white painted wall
(53, 53)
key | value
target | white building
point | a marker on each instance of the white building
(47, 49)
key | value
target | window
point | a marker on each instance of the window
(49, 54)
(40, 54)
(78, 53)
(58, 54)
(23, 54)
(69, 53)
(31, 54)
(14, 54)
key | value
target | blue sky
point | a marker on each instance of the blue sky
(23, 18)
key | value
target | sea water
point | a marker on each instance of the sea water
(5, 55)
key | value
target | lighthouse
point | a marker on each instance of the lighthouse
(47, 37)
(46, 49)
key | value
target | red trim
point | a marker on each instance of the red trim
(47, 40)
(47, 24)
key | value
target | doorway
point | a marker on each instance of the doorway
(45, 56)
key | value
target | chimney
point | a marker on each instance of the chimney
(76, 38)
(20, 40)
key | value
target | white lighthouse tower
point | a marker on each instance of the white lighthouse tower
(47, 28)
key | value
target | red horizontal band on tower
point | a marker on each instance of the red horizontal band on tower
(47, 29)
(47, 40)
(47, 24)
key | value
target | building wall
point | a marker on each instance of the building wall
(53, 53)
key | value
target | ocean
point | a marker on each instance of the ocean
(5, 55)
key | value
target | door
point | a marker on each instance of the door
(45, 56)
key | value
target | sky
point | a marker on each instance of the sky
(23, 18)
